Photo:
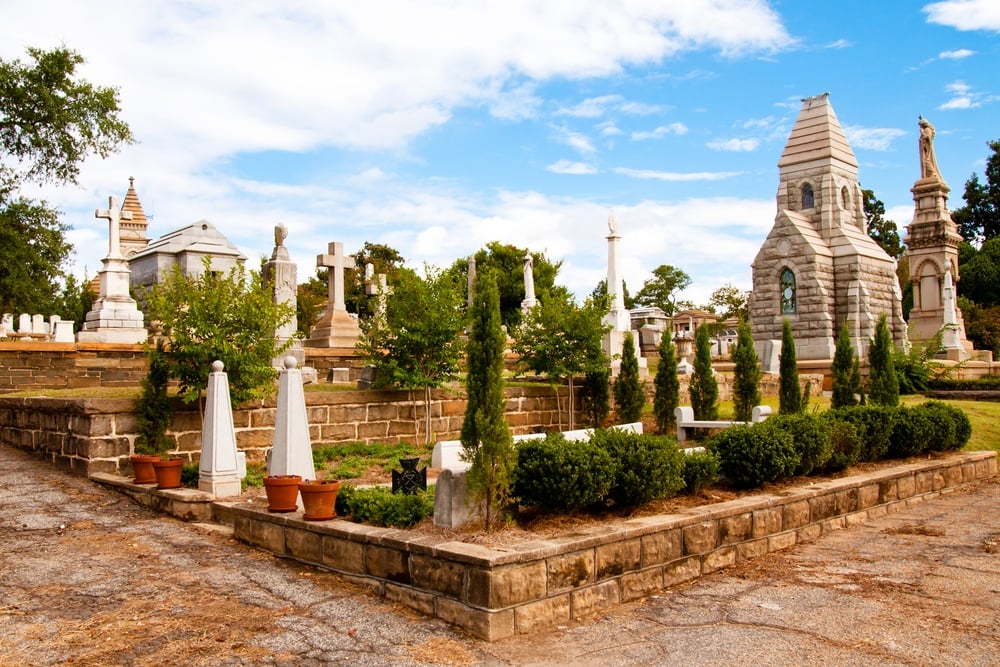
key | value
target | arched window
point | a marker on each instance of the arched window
(788, 304)
(808, 198)
(845, 198)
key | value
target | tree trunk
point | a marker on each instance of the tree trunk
(572, 424)
(558, 405)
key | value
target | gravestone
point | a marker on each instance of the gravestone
(336, 328)
(280, 272)
(529, 301)
(218, 468)
(291, 450)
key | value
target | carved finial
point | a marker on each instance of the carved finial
(217, 366)
(290, 362)
(131, 181)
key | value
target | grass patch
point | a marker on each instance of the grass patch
(352, 460)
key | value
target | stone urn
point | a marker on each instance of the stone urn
(282, 492)
(319, 498)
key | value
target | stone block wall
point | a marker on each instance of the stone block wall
(524, 587)
(44, 365)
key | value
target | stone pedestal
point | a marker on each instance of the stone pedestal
(115, 316)
(218, 471)
(335, 329)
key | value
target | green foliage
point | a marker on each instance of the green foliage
(384, 259)
(668, 386)
(600, 293)
(554, 474)
(596, 396)
(649, 467)
(700, 470)
(33, 250)
(255, 476)
(789, 390)
(811, 437)
(966, 384)
(662, 289)
(844, 389)
(379, 506)
(729, 301)
(155, 409)
(562, 340)
(190, 475)
(883, 384)
(630, 396)
(979, 219)
(913, 367)
(981, 274)
(982, 325)
(486, 441)
(746, 374)
(882, 231)
(703, 388)
(874, 424)
(754, 454)
(845, 442)
(309, 299)
(949, 427)
(911, 431)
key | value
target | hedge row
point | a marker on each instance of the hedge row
(990, 382)
(802, 444)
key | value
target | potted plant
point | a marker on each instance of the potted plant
(154, 414)
(282, 492)
(319, 498)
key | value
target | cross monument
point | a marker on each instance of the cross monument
(336, 328)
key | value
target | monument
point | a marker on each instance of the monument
(336, 328)
(280, 272)
(186, 247)
(618, 318)
(218, 467)
(818, 268)
(932, 242)
(529, 301)
(114, 317)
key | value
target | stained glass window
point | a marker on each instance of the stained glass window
(808, 198)
(788, 305)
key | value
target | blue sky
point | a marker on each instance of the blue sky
(436, 127)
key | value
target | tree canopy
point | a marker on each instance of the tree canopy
(979, 219)
(882, 230)
(663, 288)
(729, 301)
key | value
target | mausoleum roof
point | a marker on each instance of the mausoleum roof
(201, 237)
(817, 136)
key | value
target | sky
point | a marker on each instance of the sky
(437, 127)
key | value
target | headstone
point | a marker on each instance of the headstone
(618, 317)
(336, 329)
(281, 274)
(218, 470)
(114, 317)
(7, 322)
(63, 332)
(38, 325)
(409, 480)
(291, 452)
(377, 285)
(24, 324)
(770, 361)
(529, 301)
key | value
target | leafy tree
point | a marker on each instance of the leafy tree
(789, 391)
(507, 264)
(596, 396)
(50, 122)
(746, 374)
(310, 298)
(729, 301)
(882, 231)
(982, 326)
(979, 219)
(703, 388)
(883, 386)
(563, 340)
(486, 440)
(630, 396)
(384, 259)
(416, 345)
(601, 291)
(662, 289)
(981, 274)
(668, 387)
(226, 317)
(842, 370)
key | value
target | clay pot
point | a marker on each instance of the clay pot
(142, 468)
(319, 498)
(168, 473)
(282, 492)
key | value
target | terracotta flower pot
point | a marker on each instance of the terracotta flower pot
(142, 468)
(319, 498)
(282, 492)
(168, 473)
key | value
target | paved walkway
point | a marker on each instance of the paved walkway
(89, 578)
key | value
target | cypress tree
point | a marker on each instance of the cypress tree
(668, 386)
(703, 389)
(630, 395)
(883, 386)
(789, 391)
(486, 440)
(746, 374)
(596, 396)
(843, 371)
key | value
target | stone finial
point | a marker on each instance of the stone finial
(291, 362)
(217, 366)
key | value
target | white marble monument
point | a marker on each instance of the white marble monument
(336, 328)
(618, 317)
(291, 451)
(218, 470)
(280, 272)
(529, 301)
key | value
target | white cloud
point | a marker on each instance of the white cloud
(962, 96)
(569, 167)
(675, 177)
(872, 138)
(957, 54)
(609, 129)
(734, 145)
(575, 140)
(839, 44)
(965, 14)
(596, 107)
(660, 132)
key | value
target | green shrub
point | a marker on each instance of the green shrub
(700, 470)
(845, 442)
(649, 467)
(379, 506)
(255, 476)
(811, 436)
(951, 427)
(190, 474)
(752, 455)
(911, 431)
(555, 474)
(945, 383)
(874, 424)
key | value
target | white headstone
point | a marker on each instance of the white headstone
(62, 332)
(291, 453)
(38, 324)
(24, 323)
(7, 323)
(218, 471)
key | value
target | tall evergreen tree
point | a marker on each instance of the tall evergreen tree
(883, 385)
(789, 390)
(596, 396)
(668, 386)
(703, 388)
(485, 436)
(630, 395)
(843, 371)
(746, 374)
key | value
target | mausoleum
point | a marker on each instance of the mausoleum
(185, 247)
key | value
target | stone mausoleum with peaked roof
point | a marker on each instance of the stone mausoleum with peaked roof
(818, 268)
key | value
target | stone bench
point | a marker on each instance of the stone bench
(686, 423)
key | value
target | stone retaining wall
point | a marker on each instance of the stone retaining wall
(499, 592)
(98, 434)
(43, 365)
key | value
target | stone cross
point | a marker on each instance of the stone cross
(336, 261)
(114, 215)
